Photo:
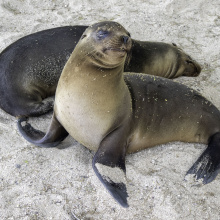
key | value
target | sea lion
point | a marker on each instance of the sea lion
(30, 68)
(114, 113)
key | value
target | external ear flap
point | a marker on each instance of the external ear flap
(109, 166)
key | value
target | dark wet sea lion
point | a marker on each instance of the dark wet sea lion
(114, 113)
(161, 59)
(30, 67)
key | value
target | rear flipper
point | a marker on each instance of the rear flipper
(109, 166)
(207, 166)
(27, 107)
(55, 134)
(37, 109)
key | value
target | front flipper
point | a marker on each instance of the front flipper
(109, 165)
(55, 134)
(207, 166)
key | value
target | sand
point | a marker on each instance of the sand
(59, 183)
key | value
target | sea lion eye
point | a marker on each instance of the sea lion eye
(102, 34)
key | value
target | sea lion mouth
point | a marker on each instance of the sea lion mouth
(120, 50)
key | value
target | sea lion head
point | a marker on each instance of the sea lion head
(192, 67)
(187, 65)
(106, 44)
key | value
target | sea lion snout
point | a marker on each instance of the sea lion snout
(126, 43)
(192, 67)
(125, 39)
(102, 34)
(197, 68)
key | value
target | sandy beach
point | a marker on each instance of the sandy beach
(59, 183)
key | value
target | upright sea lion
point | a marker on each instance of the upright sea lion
(114, 113)
(30, 68)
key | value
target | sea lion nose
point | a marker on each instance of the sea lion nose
(125, 39)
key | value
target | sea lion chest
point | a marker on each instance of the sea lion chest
(90, 107)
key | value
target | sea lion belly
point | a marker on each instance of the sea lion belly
(91, 113)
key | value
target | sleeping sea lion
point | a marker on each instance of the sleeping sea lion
(30, 68)
(114, 113)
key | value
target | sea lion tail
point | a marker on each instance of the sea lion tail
(55, 134)
(207, 166)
